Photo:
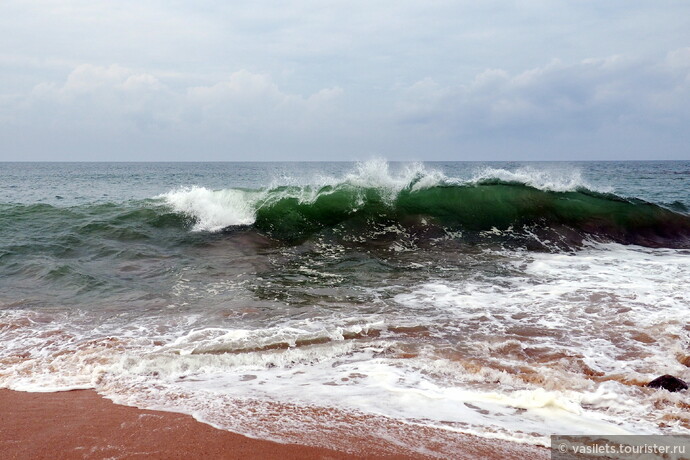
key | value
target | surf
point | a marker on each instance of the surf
(427, 204)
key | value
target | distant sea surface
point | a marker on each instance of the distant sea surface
(507, 300)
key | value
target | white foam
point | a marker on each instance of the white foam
(377, 174)
(551, 179)
(618, 319)
(213, 210)
(473, 372)
(205, 370)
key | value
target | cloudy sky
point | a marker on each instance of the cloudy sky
(339, 80)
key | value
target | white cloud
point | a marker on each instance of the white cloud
(117, 90)
(106, 87)
(487, 74)
(106, 104)
(111, 99)
(591, 106)
(253, 101)
(586, 97)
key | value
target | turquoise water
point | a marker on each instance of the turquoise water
(502, 299)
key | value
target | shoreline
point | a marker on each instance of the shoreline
(81, 424)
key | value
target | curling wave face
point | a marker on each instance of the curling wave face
(521, 206)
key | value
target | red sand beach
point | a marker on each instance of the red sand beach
(83, 425)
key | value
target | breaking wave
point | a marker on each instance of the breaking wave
(426, 202)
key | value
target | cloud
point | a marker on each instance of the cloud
(106, 87)
(248, 101)
(582, 109)
(106, 104)
(404, 79)
(584, 98)
(451, 80)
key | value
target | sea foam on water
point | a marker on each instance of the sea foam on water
(409, 293)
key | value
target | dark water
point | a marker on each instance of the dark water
(453, 294)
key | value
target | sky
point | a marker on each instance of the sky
(204, 80)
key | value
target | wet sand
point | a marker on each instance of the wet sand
(83, 425)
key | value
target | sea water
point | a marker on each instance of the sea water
(507, 300)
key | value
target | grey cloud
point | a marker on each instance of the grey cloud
(587, 97)
(104, 105)
(314, 80)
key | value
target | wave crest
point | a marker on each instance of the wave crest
(213, 210)
(492, 200)
(542, 179)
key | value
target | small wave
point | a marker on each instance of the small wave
(678, 206)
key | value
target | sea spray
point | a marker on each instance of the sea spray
(557, 207)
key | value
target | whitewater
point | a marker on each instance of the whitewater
(506, 300)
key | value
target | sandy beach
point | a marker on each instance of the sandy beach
(83, 425)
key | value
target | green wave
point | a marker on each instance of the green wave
(476, 208)
(472, 212)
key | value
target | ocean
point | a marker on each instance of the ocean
(506, 300)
